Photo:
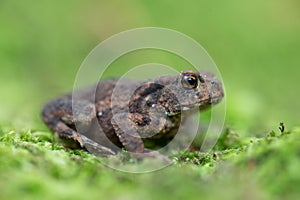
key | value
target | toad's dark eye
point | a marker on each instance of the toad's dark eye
(189, 81)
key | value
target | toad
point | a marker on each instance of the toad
(129, 114)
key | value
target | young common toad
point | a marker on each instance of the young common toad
(130, 114)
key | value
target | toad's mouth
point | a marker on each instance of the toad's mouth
(202, 105)
(215, 100)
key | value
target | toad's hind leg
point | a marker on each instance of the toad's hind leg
(58, 116)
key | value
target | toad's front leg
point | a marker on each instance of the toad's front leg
(125, 126)
(58, 116)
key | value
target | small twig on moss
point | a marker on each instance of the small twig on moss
(281, 127)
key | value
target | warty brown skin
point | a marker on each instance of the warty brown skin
(128, 114)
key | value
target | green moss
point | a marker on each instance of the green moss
(33, 165)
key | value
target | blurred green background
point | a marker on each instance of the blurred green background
(255, 44)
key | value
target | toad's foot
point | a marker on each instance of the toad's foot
(95, 148)
(148, 153)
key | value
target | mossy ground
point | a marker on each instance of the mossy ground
(33, 165)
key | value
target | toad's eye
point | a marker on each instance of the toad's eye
(189, 81)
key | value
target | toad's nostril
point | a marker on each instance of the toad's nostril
(201, 79)
(209, 96)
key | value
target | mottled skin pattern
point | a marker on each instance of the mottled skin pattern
(128, 114)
